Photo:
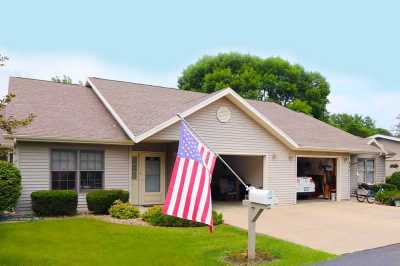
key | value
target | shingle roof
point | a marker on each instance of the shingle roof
(143, 107)
(75, 112)
(62, 112)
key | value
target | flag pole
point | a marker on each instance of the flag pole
(218, 156)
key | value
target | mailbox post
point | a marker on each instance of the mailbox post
(259, 200)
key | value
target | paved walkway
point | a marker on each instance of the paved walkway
(335, 227)
(386, 256)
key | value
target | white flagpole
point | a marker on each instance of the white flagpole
(219, 157)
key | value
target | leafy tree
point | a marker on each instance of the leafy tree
(64, 79)
(270, 79)
(362, 126)
(3, 60)
(396, 130)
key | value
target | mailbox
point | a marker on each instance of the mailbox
(261, 196)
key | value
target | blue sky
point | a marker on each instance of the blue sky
(355, 44)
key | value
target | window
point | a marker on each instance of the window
(366, 170)
(153, 172)
(91, 168)
(63, 169)
(68, 166)
(134, 167)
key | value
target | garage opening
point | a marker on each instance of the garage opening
(316, 178)
(225, 186)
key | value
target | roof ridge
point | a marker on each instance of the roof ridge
(151, 85)
(49, 81)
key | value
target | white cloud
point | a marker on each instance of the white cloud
(352, 94)
(45, 66)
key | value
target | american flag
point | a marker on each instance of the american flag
(189, 192)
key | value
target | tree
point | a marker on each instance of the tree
(396, 129)
(356, 125)
(64, 79)
(3, 60)
(270, 79)
(9, 124)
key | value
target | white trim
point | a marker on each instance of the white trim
(322, 149)
(384, 137)
(112, 111)
(237, 100)
(374, 141)
(77, 141)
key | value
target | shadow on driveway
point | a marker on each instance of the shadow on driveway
(385, 256)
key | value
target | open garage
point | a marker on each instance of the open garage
(316, 178)
(226, 187)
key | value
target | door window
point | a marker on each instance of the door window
(153, 174)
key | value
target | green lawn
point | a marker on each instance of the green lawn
(86, 241)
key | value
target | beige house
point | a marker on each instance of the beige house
(391, 147)
(114, 134)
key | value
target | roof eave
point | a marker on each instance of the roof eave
(26, 138)
(340, 150)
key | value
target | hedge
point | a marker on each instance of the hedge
(100, 201)
(54, 202)
(10, 186)
(154, 216)
(385, 186)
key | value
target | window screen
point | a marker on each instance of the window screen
(91, 166)
(63, 169)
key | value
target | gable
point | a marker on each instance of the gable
(240, 135)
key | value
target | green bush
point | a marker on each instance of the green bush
(394, 179)
(123, 210)
(154, 216)
(54, 202)
(385, 186)
(100, 201)
(10, 186)
(387, 197)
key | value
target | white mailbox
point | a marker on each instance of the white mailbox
(261, 196)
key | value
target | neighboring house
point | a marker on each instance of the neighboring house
(391, 146)
(122, 135)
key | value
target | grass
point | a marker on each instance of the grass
(87, 241)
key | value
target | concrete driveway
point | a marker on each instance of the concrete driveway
(335, 227)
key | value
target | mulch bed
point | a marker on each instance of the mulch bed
(240, 258)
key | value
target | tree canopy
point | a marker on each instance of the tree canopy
(270, 79)
(362, 126)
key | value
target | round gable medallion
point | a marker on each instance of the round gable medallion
(223, 114)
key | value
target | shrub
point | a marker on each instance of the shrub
(387, 197)
(394, 179)
(10, 186)
(154, 216)
(54, 202)
(100, 201)
(122, 210)
(385, 186)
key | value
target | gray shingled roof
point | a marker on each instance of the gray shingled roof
(75, 112)
(143, 107)
(62, 112)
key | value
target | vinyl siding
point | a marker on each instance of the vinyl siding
(380, 171)
(34, 162)
(243, 136)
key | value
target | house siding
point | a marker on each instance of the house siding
(243, 136)
(33, 161)
(380, 171)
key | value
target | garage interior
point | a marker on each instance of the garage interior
(226, 187)
(316, 178)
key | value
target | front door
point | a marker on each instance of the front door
(153, 177)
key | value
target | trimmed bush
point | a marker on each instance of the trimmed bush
(100, 201)
(394, 179)
(123, 210)
(385, 186)
(54, 202)
(10, 186)
(154, 216)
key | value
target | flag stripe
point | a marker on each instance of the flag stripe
(180, 187)
(190, 190)
(171, 185)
